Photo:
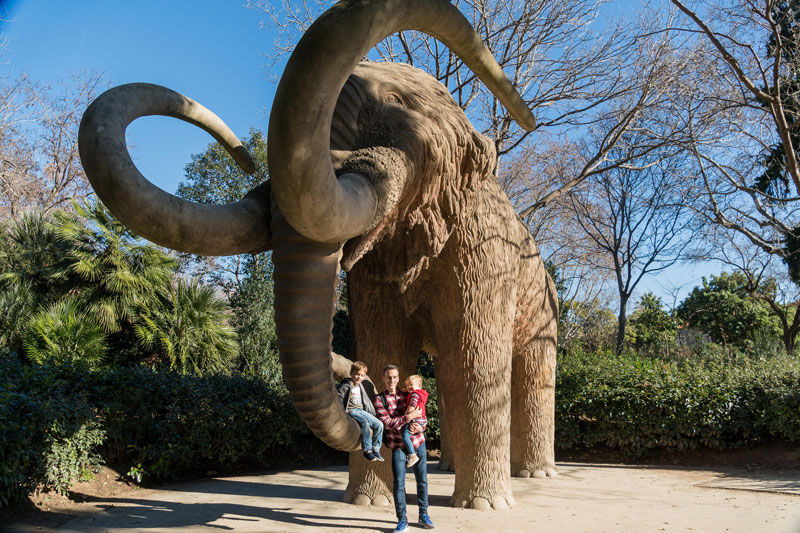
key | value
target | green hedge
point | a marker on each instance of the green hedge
(634, 403)
(56, 423)
(49, 432)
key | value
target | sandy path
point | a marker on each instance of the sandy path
(586, 497)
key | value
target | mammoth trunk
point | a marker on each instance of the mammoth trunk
(306, 273)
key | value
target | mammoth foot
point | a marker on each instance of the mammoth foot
(357, 497)
(536, 471)
(482, 503)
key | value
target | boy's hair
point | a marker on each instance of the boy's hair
(415, 380)
(389, 367)
(356, 367)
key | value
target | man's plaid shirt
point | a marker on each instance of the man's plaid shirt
(393, 416)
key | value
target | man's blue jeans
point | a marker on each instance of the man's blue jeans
(366, 422)
(399, 458)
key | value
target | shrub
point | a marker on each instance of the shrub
(171, 424)
(56, 421)
(49, 433)
(634, 403)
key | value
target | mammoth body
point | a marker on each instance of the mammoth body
(451, 270)
(374, 168)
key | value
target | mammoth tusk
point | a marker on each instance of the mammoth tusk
(179, 224)
(305, 186)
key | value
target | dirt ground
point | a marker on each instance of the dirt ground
(754, 489)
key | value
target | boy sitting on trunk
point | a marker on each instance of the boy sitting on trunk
(358, 405)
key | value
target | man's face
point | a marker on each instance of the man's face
(358, 377)
(390, 379)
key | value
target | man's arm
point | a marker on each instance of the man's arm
(389, 422)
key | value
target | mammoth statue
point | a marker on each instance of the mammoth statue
(376, 169)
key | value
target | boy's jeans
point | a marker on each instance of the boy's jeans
(399, 458)
(365, 422)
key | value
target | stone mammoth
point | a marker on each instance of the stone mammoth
(375, 168)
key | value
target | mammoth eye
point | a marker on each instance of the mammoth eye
(392, 99)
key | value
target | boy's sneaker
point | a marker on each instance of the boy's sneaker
(426, 522)
(402, 526)
(412, 460)
(377, 454)
(370, 456)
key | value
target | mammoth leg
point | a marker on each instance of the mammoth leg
(473, 332)
(382, 336)
(533, 378)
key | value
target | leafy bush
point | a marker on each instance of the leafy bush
(49, 432)
(634, 403)
(57, 421)
(723, 308)
(651, 325)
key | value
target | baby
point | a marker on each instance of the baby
(416, 397)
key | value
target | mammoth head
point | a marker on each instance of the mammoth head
(400, 128)
(358, 154)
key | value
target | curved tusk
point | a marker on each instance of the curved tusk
(240, 227)
(308, 193)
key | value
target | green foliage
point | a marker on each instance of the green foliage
(33, 254)
(651, 325)
(119, 273)
(434, 430)
(49, 432)
(191, 330)
(254, 321)
(165, 425)
(634, 403)
(723, 309)
(213, 177)
(63, 333)
(55, 419)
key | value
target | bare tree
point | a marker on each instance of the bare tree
(17, 110)
(39, 143)
(636, 219)
(741, 118)
(571, 70)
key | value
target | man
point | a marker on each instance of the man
(390, 406)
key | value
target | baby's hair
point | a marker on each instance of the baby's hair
(357, 367)
(415, 380)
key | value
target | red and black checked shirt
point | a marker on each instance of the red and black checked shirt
(393, 417)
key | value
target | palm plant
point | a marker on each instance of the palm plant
(192, 332)
(34, 255)
(120, 273)
(63, 333)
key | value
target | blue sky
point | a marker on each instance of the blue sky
(210, 50)
(213, 51)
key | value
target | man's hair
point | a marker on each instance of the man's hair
(357, 366)
(389, 367)
(415, 379)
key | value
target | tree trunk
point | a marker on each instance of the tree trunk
(622, 321)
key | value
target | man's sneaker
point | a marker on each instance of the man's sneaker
(412, 460)
(377, 454)
(426, 522)
(402, 526)
(370, 456)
